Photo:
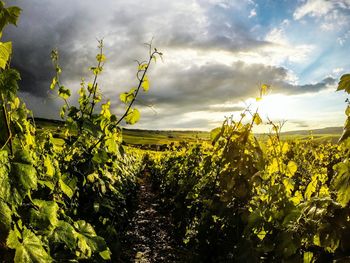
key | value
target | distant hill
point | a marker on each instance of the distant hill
(328, 130)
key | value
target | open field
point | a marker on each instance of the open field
(155, 137)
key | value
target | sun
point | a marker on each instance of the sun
(276, 107)
(273, 107)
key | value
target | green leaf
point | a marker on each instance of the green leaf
(344, 83)
(5, 186)
(13, 14)
(9, 82)
(29, 248)
(88, 241)
(106, 254)
(5, 53)
(44, 215)
(23, 156)
(6, 219)
(216, 133)
(25, 176)
(341, 182)
(65, 233)
(127, 97)
(8, 15)
(46, 183)
(64, 93)
(112, 143)
(308, 257)
(66, 189)
(132, 117)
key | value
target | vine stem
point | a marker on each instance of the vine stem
(94, 84)
(138, 88)
(132, 101)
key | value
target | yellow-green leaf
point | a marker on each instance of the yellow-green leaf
(264, 89)
(5, 53)
(66, 189)
(53, 83)
(256, 118)
(50, 169)
(143, 66)
(292, 167)
(344, 83)
(145, 83)
(308, 257)
(64, 93)
(100, 58)
(133, 116)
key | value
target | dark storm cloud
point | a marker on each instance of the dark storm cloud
(176, 92)
(199, 87)
(307, 88)
(43, 27)
(73, 26)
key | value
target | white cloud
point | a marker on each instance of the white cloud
(315, 8)
(344, 38)
(252, 13)
(281, 48)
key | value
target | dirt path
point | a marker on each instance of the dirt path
(149, 236)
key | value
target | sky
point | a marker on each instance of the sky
(217, 53)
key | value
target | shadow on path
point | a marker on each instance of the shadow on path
(149, 238)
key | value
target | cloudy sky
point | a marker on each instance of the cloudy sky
(216, 54)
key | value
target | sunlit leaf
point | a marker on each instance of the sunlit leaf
(288, 185)
(344, 83)
(311, 188)
(25, 175)
(105, 110)
(50, 169)
(264, 89)
(132, 117)
(88, 241)
(64, 93)
(66, 189)
(341, 182)
(29, 248)
(285, 148)
(308, 257)
(6, 219)
(66, 234)
(106, 254)
(145, 83)
(5, 52)
(292, 167)
(127, 97)
(44, 215)
(256, 118)
(100, 58)
(143, 66)
(53, 83)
